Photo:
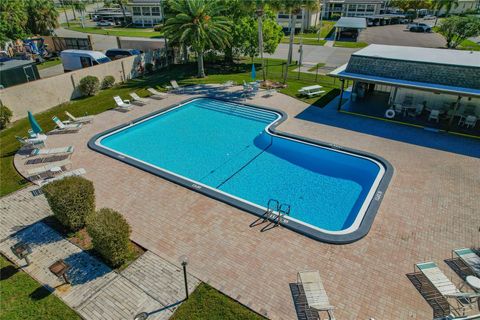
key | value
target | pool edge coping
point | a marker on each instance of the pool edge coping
(365, 224)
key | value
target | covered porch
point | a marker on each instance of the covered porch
(433, 107)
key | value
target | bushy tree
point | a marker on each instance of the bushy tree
(42, 16)
(12, 21)
(108, 82)
(89, 85)
(72, 201)
(110, 234)
(456, 29)
(5, 116)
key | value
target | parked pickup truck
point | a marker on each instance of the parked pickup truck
(419, 27)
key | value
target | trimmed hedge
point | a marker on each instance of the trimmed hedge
(110, 234)
(5, 116)
(108, 82)
(89, 85)
(72, 201)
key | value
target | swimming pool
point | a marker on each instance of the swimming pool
(233, 153)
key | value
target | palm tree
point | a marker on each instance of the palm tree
(198, 24)
(42, 16)
(294, 7)
(438, 5)
(121, 4)
(81, 7)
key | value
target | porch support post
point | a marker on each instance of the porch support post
(455, 110)
(341, 95)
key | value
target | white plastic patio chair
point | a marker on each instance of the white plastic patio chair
(470, 258)
(31, 142)
(471, 121)
(52, 151)
(84, 119)
(76, 172)
(58, 166)
(139, 101)
(156, 94)
(122, 105)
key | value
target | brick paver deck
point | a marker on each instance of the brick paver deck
(430, 207)
(149, 284)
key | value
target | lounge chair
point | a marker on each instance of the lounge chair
(52, 151)
(270, 92)
(156, 94)
(122, 105)
(76, 172)
(446, 287)
(65, 127)
(84, 119)
(31, 142)
(315, 293)
(470, 258)
(468, 121)
(434, 115)
(175, 86)
(228, 83)
(58, 167)
(139, 101)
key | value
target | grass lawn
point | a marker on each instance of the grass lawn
(317, 66)
(23, 298)
(116, 31)
(311, 38)
(11, 181)
(469, 45)
(207, 303)
(49, 63)
(348, 44)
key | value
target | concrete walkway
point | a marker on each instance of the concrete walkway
(150, 284)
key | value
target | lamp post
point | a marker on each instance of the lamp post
(184, 262)
(141, 316)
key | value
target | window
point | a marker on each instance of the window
(155, 11)
(146, 11)
(352, 7)
(136, 11)
(361, 7)
(371, 7)
(85, 62)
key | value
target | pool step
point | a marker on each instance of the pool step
(245, 112)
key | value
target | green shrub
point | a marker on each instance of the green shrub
(72, 201)
(5, 116)
(108, 82)
(149, 67)
(157, 27)
(89, 85)
(110, 234)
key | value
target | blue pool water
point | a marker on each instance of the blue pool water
(225, 146)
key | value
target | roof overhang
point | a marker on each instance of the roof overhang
(351, 23)
(432, 87)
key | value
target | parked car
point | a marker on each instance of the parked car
(105, 23)
(78, 59)
(115, 54)
(419, 27)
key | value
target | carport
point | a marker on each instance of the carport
(348, 28)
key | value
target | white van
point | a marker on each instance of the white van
(78, 59)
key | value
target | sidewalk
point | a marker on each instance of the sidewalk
(150, 284)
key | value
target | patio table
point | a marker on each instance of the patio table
(474, 282)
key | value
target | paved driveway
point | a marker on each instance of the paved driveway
(398, 35)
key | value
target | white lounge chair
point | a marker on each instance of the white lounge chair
(270, 92)
(175, 85)
(470, 258)
(76, 172)
(122, 105)
(63, 150)
(31, 142)
(84, 119)
(139, 101)
(468, 121)
(228, 84)
(315, 293)
(65, 127)
(311, 91)
(51, 168)
(156, 94)
(434, 115)
(446, 287)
